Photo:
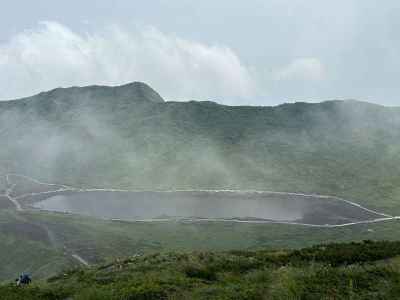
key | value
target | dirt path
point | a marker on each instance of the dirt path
(8, 193)
(51, 235)
(57, 245)
(80, 259)
(279, 222)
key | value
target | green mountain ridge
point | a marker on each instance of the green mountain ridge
(134, 90)
(128, 137)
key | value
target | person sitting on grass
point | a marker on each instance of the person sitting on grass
(24, 279)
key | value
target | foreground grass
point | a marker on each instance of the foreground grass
(367, 270)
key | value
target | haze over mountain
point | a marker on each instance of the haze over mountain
(199, 150)
(127, 136)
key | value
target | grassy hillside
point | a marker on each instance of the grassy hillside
(128, 137)
(368, 270)
(42, 243)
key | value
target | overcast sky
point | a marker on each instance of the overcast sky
(258, 52)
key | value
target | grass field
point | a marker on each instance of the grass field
(45, 241)
(367, 270)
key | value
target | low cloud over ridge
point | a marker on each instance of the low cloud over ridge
(309, 68)
(53, 55)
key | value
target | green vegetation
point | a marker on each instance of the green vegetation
(100, 241)
(366, 270)
(128, 137)
(25, 247)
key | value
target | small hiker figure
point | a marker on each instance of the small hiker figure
(24, 279)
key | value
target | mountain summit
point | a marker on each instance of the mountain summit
(135, 91)
(130, 92)
(55, 103)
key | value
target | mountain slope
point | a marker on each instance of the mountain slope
(368, 270)
(129, 137)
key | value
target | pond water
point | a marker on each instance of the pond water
(207, 205)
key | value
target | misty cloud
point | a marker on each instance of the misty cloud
(351, 44)
(302, 69)
(53, 55)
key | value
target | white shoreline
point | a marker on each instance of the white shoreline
(66, 188)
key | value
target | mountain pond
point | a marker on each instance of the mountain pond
(208, 205)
